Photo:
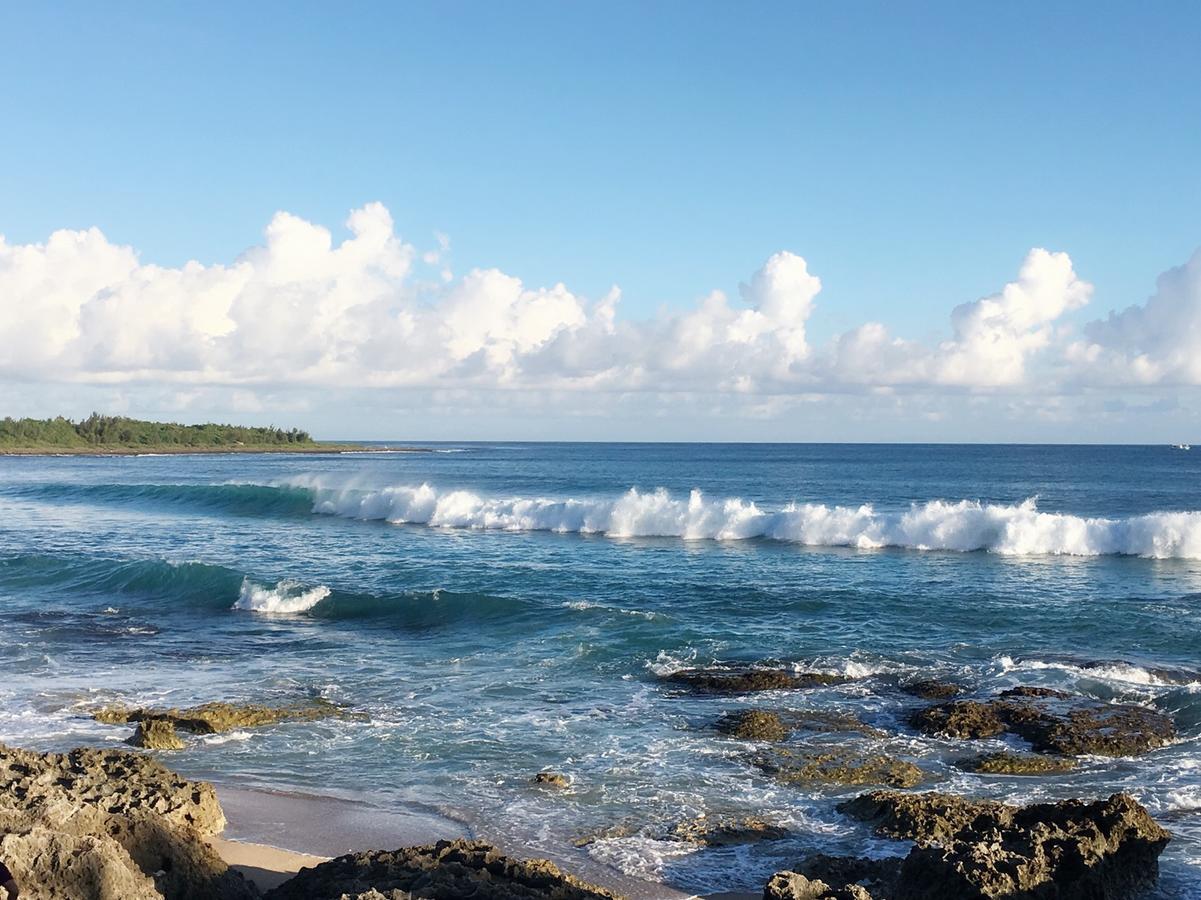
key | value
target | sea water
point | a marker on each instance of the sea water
(490, 611)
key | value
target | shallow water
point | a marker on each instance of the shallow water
(519, 615)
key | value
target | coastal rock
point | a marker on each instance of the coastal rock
(217, 717)
(52, 865)
(745, 680)
(838, 766)
(1052, 722)
(754, 725)
(156, 818)
(724, 832)
(960, 719)
(447, 870)
(932, 689)
(794, 886)
(552, 779)
(921, 817)
(1017, 764)
(1106, 850)
(156, 734)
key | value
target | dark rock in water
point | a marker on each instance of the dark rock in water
(89, 811)
(1017, 764)
(447, 870)
(216, 717)
(1106, 850)
(831, 722)
(753, 725)
(723, 832)
(932, 689)
(551, 779)
(156, 734)
(745, 680)
(960, 719)
(920, 817)
(1102, 729)
(1053, 722)
(838, 766)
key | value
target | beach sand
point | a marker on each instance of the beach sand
(317, 828)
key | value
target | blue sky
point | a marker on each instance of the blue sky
(912, 154)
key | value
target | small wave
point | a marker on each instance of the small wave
(1118, 670)
(965, 525)
(286, 598)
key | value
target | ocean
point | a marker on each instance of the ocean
(490, 611)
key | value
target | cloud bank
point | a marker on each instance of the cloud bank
(373, 311)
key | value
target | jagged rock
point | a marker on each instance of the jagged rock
(1053, 722)
(552, 779)
(876, 875)
(156, 817)
(216, 717)
(920, 817)
(1017, 764)
(745, 680)
(794, 886)
(1106, 850)
(447, 870)
(720, 832)
(53, 865)
(156, 734)
(754, 725)
(838, 766)
(932, 689)
(960, 719)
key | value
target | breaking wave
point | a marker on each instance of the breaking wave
(287, 597)
(965, 525)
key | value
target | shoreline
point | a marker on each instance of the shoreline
(327, 449)
(317, 828)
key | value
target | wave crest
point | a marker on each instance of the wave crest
(964, 525)
(287, 597)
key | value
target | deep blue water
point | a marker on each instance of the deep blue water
(496, 610)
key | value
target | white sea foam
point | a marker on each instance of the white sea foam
(1124, 672)
(286, 597)
(964, 525)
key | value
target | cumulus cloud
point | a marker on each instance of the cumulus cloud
(302, 309)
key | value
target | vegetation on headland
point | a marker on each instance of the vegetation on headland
(116, 434)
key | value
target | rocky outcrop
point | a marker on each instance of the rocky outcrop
(551, 779)
(747, 679)
(216, 717)
(134, 810)
(1052, 722)
(1017, 764)
(447, 870)
(754, 725)
(838, 766)
(156, 734)
(53, 865)
(1071, 850)
(726, 832)
(932, 689)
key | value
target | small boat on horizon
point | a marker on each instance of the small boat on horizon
(1180, 446)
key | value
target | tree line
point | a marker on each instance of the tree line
(118, 431)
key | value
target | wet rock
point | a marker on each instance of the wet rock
(960, 719)
(156, 734)
(920, 817)
(612, 832)
(838, 766)
(1102, 729)
(1027, 690)
(932, 689)
(724, 832)
(447, 870)
(1106, 850)
(830, 723)
(1017, 764)
(795, 886)
(754, 725)
(217, 717)
(745, 680)
(552, 779)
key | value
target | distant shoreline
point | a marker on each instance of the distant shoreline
(175, 450)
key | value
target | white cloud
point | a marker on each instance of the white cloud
(302, 310)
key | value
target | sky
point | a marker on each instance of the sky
(591, 221)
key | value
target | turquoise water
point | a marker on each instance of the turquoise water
(496, 610)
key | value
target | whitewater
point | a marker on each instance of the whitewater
(502, 610)
(963, 525)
